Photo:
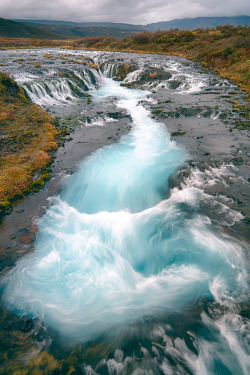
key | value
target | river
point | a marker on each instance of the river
(140, 261)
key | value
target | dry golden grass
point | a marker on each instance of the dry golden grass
(91, 65)
(126, 68)
(28, 134)
(9, 43)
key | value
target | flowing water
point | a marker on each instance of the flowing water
(139, 265)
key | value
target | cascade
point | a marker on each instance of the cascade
(119, 252)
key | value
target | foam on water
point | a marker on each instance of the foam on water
(53, 92)
(24, 77)
(100, 121)
(58, 90)
(133, 76)
(90, 273)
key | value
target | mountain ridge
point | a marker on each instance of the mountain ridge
(46, 29)
(181, 23)
(199, 22)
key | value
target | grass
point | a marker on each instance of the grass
(28, 134)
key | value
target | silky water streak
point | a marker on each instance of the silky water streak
(112, 249)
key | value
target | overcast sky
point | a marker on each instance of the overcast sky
(128, 11)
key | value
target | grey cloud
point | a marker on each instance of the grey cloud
(129, 11)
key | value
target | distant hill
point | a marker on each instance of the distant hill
(12, 29)
(78, 24)
(200, 22)
(45, 29)
(81, 30)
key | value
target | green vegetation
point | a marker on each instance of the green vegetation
(225, 49)
(27, 134)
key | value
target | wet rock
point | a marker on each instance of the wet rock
(27, 236)
(174, 134)
(177, 179)
(129, 84)
(157, 111)
(207, 113)
(217, 189)
(34, 228)
(121, 71)
(6, 263)
(238, 160)
(115, 115)
(189, 112)
(154, 74)
(174, 84)
(42, 334)
(26, 325)
(118, 115)
(20, 210)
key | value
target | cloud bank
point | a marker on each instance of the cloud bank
(129, 11)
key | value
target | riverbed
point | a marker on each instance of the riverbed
(134, 257)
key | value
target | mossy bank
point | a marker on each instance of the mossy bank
(27, 138)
